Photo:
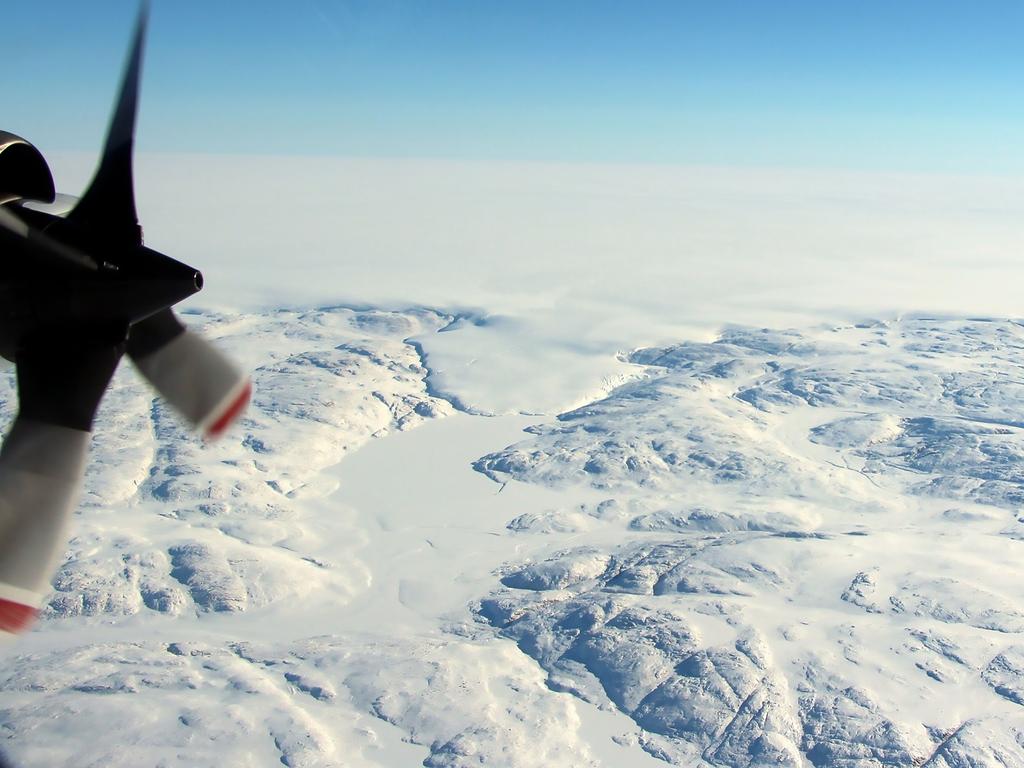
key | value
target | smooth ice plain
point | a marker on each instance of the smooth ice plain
(557, 465)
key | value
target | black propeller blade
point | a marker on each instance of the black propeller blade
(109, 200)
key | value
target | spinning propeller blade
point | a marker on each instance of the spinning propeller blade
(109, 200)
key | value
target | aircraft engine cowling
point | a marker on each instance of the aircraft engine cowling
(23, 171)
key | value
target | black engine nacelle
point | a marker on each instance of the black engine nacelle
(23, 171)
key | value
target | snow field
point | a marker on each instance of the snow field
(789, 547)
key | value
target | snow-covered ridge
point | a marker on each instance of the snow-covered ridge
(817, 547)
(222, 527)
(792, 547)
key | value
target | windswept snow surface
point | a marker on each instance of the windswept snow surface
(640, 538)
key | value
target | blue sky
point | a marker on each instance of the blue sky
(922, 86)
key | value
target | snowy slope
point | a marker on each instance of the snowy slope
(818, 534)
(202, 606)
(776, 548)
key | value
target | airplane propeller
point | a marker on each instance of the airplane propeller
(78, 291)
(132, 285)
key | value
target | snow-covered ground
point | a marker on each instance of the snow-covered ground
(566, 466)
